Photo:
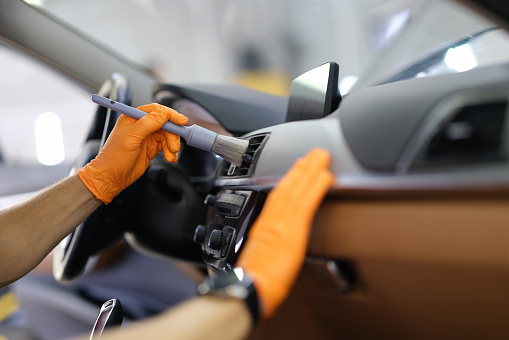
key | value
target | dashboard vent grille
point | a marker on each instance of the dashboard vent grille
(249, 159)
(475, 134)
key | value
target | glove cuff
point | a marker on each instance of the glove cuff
(85, 176)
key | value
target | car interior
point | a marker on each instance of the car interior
(411, 241)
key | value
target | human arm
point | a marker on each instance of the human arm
(273, 255)
(29, 230)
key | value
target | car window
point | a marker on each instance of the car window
(44, 118)
(488, 47)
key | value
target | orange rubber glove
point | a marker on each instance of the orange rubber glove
(129, 149)
(277, 243)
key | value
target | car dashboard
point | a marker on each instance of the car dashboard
(411, 239)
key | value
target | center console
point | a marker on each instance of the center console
(232, 213)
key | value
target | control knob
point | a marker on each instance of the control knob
(199, 233)
(215, 240)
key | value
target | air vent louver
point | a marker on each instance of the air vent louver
(475, 134)
(249, 158)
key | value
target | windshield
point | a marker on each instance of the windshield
(265, 43)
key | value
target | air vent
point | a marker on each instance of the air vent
(248, 160)
(475, 134)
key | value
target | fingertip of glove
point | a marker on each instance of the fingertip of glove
(319, 155)
(178, 118)
(172, 115)
(170, 156)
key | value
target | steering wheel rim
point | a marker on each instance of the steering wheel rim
(98, 231)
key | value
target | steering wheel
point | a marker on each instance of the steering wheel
(106, 224)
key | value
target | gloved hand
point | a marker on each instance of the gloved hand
(277, 242)
(129, 149)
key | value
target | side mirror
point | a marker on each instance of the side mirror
(315, 94)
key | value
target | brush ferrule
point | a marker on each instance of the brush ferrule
(201, 138)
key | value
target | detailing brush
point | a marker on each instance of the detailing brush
(230, 148)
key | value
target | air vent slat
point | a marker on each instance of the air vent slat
(475, 134)
(249, 159)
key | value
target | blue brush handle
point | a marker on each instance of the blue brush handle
(194, 135)
(183, 131)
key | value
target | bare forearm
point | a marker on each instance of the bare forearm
(30, 230)
(200, 318)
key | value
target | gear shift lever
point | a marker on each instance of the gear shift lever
(110, 315)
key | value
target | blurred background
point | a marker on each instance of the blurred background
(262, 44)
